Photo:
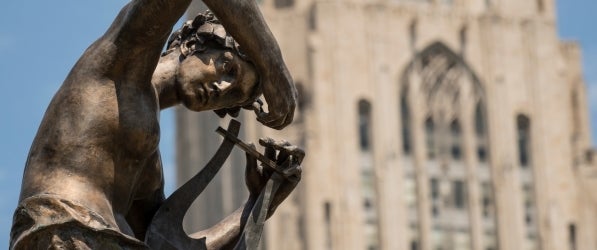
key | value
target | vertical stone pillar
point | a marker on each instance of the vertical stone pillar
(419, 151)
(467, 110)
(501, 135)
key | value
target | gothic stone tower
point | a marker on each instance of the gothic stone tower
(428, 124)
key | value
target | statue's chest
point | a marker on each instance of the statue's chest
(138, 134)
(137, 125)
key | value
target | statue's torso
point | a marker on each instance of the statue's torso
(96, 143)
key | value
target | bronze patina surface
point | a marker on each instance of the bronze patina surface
(93, 178)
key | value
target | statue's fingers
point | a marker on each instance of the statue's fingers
(283, 153)
(288, 149)
(297, 152)
(284, 147)
(284, 160)
(270, 152)
(281, 144)
(266, 141)
(277, 144)
(293, 173)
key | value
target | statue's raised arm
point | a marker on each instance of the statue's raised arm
(131, 47)
(143, 23)
(243, 19)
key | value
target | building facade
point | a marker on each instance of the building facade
(428, 124)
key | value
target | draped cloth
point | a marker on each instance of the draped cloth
(47, 221)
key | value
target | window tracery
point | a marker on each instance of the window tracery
(452, 96)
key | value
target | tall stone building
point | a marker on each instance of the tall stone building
(428, 124)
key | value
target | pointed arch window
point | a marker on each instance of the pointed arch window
(456, 140)
(441, 75)
(364, 125)
(405, 121)
(430, 138)
(481, 133)
(480, 127)
(523, 125)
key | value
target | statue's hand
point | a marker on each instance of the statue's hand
(287, 157)
(281, 97)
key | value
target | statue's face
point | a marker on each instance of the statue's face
(215, 79)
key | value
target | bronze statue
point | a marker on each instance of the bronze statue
(93, 177)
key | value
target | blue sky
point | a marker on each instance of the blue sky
(40, 40)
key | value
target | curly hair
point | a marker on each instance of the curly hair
(203, 32)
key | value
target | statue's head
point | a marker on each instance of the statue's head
(213, 72)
